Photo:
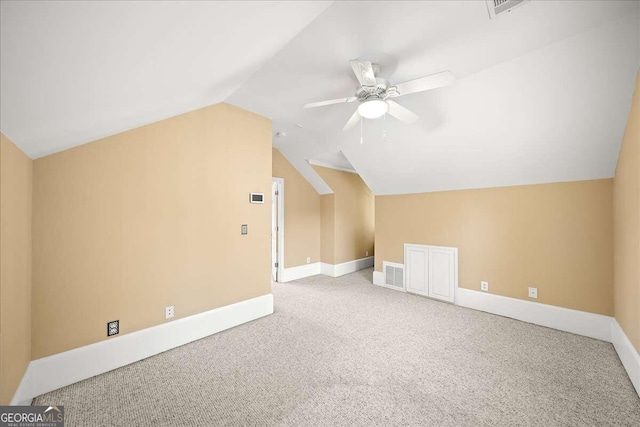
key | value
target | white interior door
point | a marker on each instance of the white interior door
(442, 273)
(416, 261)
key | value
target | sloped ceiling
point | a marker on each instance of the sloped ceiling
(542, 93)
(72, 72)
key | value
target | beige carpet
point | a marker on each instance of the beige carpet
(345, 352)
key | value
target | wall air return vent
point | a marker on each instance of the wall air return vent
(393, 275)
(496, 7)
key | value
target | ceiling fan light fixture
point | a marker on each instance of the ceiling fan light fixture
(373, 109)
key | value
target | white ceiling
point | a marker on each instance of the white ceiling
(73, 72)
(542, 93)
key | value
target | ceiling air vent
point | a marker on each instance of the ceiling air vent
(496, 7)
(393, 275)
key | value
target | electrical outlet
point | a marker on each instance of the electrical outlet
(484, 286)
(533, 292)
(366, 253)
(113, 328)
(308, 260)
(168, 312)
(243, 229)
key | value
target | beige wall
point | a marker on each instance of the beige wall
(301, 214)
(353, 215)
(556, 237)
(626, 207)
(132, 223)
(327, 246)
(15, 267)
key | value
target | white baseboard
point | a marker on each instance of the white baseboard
(337, 270)
(326, 269)
(300, 272)
(59, 370)
(22, 396)
(378, 278)
(627, 353)
(564, 319)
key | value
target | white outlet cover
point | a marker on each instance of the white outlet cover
(533, 292)
(168, 312)
(484, 286)
(308, 260)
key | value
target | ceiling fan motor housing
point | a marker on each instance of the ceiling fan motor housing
(378, 91)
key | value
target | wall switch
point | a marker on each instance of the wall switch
(113, 328)
(308, 260)
(533, 292)
(168, 312)
(484, 286)
(243, 229)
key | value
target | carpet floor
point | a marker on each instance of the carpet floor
(343, 352)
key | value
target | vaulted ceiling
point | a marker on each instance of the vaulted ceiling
(542, 93)
(72, 72)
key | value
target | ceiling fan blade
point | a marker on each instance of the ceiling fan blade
(421, 84)
(330, 102)
(364, 72)
(355, 118)
(399, 112)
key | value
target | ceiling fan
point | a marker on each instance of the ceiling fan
(374, 93)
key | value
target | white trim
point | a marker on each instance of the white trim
(22, 396)
(337, 270)
(352, 266)
(300, 272)
(627, 353)
(330, 166)
(326, 269)
(52, 372)
(280, 182)
(378, 278)
(392, 264)
(564, 319)
(331, 270)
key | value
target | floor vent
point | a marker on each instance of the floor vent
(496, 7)
(393, 275)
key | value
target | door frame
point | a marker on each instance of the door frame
(280, 225)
